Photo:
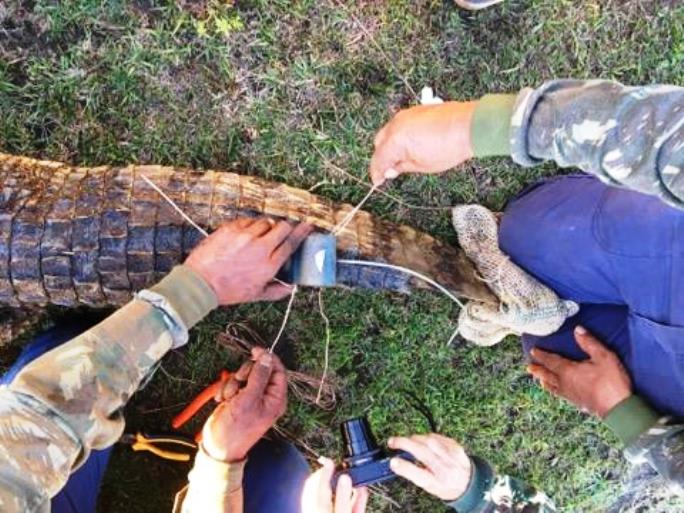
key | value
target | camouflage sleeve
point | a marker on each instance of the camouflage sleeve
(662, 446)
(69, 401)
(627, 136)
(490, 493)
(650, 438)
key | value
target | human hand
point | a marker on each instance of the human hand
(595, 385)
(423, 139)
(241, 258)
(317, 496)
(252, 400)
(444, 469)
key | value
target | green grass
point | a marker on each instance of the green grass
(258, 87)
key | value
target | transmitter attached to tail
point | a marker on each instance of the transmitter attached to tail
(314, 264)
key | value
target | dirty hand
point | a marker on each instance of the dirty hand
(252, 400)
(423, 139)
(596, 385)
(317, 496)
(444, 469)
(241, 258)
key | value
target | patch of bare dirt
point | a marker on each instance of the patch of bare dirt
(643, 491)
(13, 323)
(198, 7)
(21, 32)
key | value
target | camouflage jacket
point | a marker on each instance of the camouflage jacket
(69, 401)
(627, 136)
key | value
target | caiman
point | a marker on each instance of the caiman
(74, 235)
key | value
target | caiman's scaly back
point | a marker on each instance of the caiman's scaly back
(72, 235)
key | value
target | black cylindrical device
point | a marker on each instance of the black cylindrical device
(364, 461)
(360, 445)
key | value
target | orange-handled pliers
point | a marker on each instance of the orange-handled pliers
(149, 443)
(198, 402)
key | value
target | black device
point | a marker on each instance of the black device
(364, 460)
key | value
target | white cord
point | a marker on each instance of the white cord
(407, 271)
(350, 215)
(287, 316)
(327, 345)
(175, 207)
(341, 226)
(453, 336)
(204, 232)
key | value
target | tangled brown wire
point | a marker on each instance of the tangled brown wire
(240, 339)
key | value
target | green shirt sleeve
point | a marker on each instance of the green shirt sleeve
(630, 418)
(188, 294)
(480, 483)
(648, 438)
(631, 137)
(491, 125)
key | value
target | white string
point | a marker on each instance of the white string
(176, 207)
(287, 316)
(327, 345)
(204, 232)
(337, 229)
(350, 215)
(364, 183)
(407, 271)
(453, 336)
(415, 274)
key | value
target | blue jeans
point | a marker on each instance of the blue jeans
(620, 255)
(274, 475)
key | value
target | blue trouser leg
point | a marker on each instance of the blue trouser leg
(620, 255)
(607, 322)
(274, 475)
(274, 478)
(80, 493)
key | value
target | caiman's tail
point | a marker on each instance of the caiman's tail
(72, 235)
